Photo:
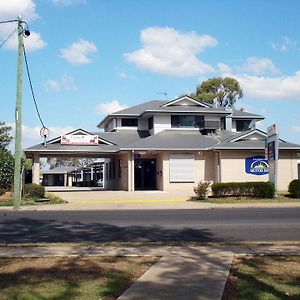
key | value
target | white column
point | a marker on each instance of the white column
(36, 168)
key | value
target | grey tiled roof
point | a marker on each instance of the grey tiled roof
(174, 140)
(244, 114)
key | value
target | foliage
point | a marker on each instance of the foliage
(5, 137)
(294, 188)
(202, 190)
(26, 163)
(239, 189)
(6, 169)
(226, 91)
(34, 190)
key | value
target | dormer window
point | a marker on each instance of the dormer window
(129, 122)
(186, 121)
(242, 125)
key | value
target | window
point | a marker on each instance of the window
(186, 121)
(150, 123)
(181, 168)
(242, 125)
(131, 122)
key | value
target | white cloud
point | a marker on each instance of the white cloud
(223, 69)
(258, 66)
(109, 107)
(52, 86)
(9, 10)
(31, 135)
(284, 45)
(66, 82)
(78, 52)
(68, 2)
(167, 51)
(270, 88)
(122, 75)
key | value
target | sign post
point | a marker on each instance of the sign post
(272, 153)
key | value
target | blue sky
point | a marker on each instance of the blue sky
(88, 57)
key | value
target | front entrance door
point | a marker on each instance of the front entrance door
(145, 174)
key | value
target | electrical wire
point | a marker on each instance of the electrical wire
(3, 43)
(31, 88)
(8, 21)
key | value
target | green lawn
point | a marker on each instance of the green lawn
(49, 199)
(59, 278)
(264, 278)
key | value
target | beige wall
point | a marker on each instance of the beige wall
(204, 170)
(233, 167)
(119, 183)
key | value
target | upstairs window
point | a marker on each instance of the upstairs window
(130, 122)
(186, 121)
(242, 125)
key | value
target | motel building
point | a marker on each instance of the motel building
(167, 146)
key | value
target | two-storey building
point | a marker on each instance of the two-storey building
(172, 145)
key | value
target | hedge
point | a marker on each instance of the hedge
(34, 190)
(294, 188)
(239, 189)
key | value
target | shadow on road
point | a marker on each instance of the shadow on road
(25, 230)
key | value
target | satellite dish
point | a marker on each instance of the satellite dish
(44, 132)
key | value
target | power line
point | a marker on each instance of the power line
(31, 88)
(8, 21)
(3, 43)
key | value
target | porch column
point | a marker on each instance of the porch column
(65, 179)
(36, 168)
(131, 171)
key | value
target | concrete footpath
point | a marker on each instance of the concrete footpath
(139, 200)
(182, 272)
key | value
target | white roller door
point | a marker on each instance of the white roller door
(181, 168)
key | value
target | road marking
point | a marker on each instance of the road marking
(129, 201)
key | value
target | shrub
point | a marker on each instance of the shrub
(238, 189)
(294, 188)
(34, 190)
(6, 169)
(202, 190)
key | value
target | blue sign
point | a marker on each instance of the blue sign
(256, 165)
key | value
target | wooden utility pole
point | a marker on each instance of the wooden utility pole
(18, 118)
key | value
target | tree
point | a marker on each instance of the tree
(6, 158)
(225, 91)
(5, 137)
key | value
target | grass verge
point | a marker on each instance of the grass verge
(281, 198)
(49, 199)
(264, 278)
(69, 277)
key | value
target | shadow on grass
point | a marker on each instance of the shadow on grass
(251, 278)
(68, 278)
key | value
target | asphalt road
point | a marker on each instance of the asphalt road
(197, 225)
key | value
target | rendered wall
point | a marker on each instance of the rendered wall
(233, 167)
(204, 169)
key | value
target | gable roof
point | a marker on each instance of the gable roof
(188, 98)
(157, 106)
(75, 132)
